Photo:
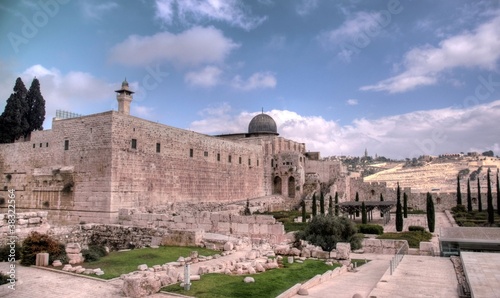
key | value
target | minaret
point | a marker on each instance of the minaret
(124, 97)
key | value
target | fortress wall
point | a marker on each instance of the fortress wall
(190, 166)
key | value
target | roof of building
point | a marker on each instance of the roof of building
(262, 124)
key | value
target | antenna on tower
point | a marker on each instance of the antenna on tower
(262, 110)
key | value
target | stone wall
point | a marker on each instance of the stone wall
(383, 246)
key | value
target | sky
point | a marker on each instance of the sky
(397, 78)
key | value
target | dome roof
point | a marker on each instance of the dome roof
(262, 124)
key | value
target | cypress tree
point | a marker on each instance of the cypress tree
(431, 216)
(459, 193)
(491, 212)
(479, 203)
(363, 213)
(314, 211)
(321, 203)
(498, 194)
(12, 121)
(330, 205)
(36, 107)
(357, 200)
(399, 212)
(469, 197)
(405, 205)
(336, 204)
(303, 205)
(381, 200)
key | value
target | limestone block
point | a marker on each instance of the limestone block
(75, 258)
(194, 277)
(80, 270)
(57, 263)
(228, 246)
(303, 292)
(343, 251)
(426, 246)
(282, 249)
(34, 220)
(248, 279)
(21, 221)
(141, 284)
(372, 242)
(66, 267)
(294, 251)
(224, 226)
(73, 248)
(320, 254)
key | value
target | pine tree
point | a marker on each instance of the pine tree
(479, 203)
(357, 200)
(399, 212)
(469, 197)
(498, 194)
(381, 200)
(314, 207)
(431, 216)
(363, 213)
(336, 204)
(321, 203)
(303, 205)
(405, 205)
(330, 205)
(459, 193)
(36, 107)
(491, 212)
(12, 121)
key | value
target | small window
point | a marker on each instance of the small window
(91, 130)
(240, 160)
(249, 162)
(272, 163)
(218, 156)
(190, 152)
(205, 153)
(66, 144)
(158, 147)
(46, 144)
(40, 145)
(34, 145)
(257, 162)
(134, 143)
(229, 159)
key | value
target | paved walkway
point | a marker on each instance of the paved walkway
(350, 283)
(482, 273)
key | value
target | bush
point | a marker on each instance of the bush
(5, 252)
(94, 253)
(370, 229)
(459, 209)
(4, 278)
(326, 231)
(416, 229)
(37, 243)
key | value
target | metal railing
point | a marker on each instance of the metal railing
(398, 257)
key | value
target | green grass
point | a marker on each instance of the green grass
(268, 284)
(414, 238)
(287, 218)
(475, 219)
(118, 263)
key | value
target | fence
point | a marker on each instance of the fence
(398, 257)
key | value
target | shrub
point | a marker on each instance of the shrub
(36, 243)
(416, 229)
(370, 229)
(94, 253)
(459, 209)
(4, 278)
(5, 252)
(326, 231)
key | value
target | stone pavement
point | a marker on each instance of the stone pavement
(350, 283)
(481, 270)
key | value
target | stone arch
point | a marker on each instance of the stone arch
(291, 187)
(277, 185)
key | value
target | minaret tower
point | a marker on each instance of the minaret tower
(124, 97)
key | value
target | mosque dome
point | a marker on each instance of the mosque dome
(262, 124)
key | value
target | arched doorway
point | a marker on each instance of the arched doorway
(291, 187)
(277, 185)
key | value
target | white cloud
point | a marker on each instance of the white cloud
(305, 7)
(96, 10)
(206, 77)
(426, 64)
(191, 47)
(352, 102)
(142, 111)
(258, 80)
(232, 12)
(407, 135)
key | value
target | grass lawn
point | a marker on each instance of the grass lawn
(268, 284)
(118, 263)
(475, 218)
(414, 238)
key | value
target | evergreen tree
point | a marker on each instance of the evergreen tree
(479, 203)
(363, 213)
(469, 197)
(405, 205)
(399, 212)
(321, 203)
(431, 216)
(303, 205)
(36, 107)
(330, 205)
(498, 194)
(491, 212)
(357, 200)
(12, 121)
(314, 207)
(459, 193)
(336, 204)
(381, 200)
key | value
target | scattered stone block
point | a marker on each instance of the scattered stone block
(140, 284)
(57, 263)
(228, 246)
(343, 251)
(303, 292)
(142, 267)
(73, 248)
(248, 279)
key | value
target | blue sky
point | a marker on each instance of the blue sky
(400, 78)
